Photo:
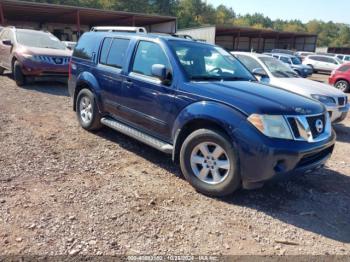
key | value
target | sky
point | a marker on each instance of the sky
(304, 10)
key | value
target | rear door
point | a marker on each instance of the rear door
(110, 72)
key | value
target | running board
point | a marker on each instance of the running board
(140, 136)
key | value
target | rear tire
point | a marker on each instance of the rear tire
(209, 162)
(18, 74)
(313, 69)
(2, 70)
(342, 85)
(87, 112)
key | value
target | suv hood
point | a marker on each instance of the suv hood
(306, 87)
(252, 97)
(46, 51)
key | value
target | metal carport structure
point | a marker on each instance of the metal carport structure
(54, 17)
(247, 38)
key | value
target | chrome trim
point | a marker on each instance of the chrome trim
(305, 130)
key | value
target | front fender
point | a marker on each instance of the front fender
(226, 117)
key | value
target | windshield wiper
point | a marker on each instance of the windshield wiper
(206, 78)
(218, 78)
(281, 73)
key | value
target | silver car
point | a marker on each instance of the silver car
(272, 71)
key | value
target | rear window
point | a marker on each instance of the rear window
(86, 47)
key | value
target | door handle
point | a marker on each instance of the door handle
(128, 83)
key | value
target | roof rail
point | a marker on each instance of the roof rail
(128, 29)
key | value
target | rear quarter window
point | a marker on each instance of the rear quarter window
(87, 47)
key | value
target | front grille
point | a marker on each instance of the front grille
(294, 127)
(341, 101)
(56, 60)
(313, 122)
(314, 157)
(311, 128)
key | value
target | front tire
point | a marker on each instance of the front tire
(87, 112)
(209, 162)
(18, 74)
(2, 70)
(342, 85)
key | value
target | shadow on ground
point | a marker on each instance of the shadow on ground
(343, 132)
(48, 87)
(319, 202)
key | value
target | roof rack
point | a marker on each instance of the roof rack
(184, 36)
(128, 29)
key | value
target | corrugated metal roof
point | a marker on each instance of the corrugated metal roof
(39, 12)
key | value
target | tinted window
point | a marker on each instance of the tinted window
(316, 58)
(147, 55)
(117, 52)
(340, 57)
(249, 62)
(105, 50)
(86, 47)
(344, 68)
(285, 60)
(347, 58)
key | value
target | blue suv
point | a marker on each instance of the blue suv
(200, 104)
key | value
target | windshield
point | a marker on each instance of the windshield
(277, 68)
(203, 62)
(39, 39)
(295, 60)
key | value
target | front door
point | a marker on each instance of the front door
(148, 103)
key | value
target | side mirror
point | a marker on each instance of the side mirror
(259, 72)
(7, 42)
(160, 71)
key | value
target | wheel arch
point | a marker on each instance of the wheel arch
(86, 81)
(188, 121)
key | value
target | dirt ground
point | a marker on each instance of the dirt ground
(67, 191)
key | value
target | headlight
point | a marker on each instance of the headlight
(271, 125)
(324, 99)
(31, 57)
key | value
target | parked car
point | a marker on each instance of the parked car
(340, 77)
(35, 54)
(295, 63)
(283, 51)
(322, 63)
(276, 73)
(303, 54)
(344, 58)
(197, 102)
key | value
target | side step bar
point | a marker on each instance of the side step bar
(142, 137)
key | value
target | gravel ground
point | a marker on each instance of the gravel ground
(67, 191)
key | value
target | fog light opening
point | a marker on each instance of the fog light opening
(280, 166)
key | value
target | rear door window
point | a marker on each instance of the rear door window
(117, 52)
(105, 50)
